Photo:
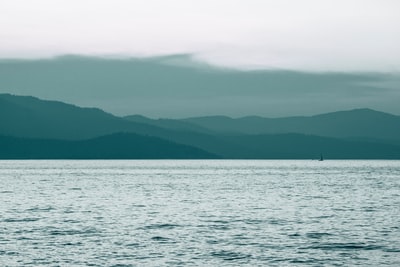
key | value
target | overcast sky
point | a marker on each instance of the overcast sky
(307, 35)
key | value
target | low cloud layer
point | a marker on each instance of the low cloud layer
(168, 87)
(308, 35)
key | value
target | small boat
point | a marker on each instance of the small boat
(321, 158)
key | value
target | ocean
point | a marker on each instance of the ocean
(200, 213)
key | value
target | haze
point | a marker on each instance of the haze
(177, 87)
(307, 35)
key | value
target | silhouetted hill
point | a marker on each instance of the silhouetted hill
(299, 146)
(25, 116)
(29, 117)
(115, 146)
(359, 123)
(169, 124)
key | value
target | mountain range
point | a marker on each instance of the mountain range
(35, 128)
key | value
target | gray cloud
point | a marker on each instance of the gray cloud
(307, 35)
(178, 87)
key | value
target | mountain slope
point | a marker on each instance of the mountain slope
(115, 146)
(365, 123)
(30, 117)
(171, 124)
(299, 146)
(26, 116)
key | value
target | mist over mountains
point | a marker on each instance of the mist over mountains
(34, 128)
(177, 86)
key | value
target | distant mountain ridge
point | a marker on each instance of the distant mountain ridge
(363, 133)
(115, 146)
(342, 124)
(26, 116)
(170, 124)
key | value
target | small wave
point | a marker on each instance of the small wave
(75, 188)
(320, 197)
(321, 217)
(37, 209)
(72, 244)
(230, 255)
(23, 238)
(73, 232)
(71, 221)
(219, 227)
(9, 253)
(345, 246)
(253, 221)
(294, 235)
(216, 224)
(396, 250)
(312, 261)
(133, 245)
(68, 211)
(212, 241)
(21, 220)
(317, 235)
(277, 221)
(161, 239)
(139, 206)
(122, 265)
(160, 226)
(240, 237)
(217, 221)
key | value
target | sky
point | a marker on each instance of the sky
(301, 35)
(183, 58)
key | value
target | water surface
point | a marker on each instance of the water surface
(200, 213)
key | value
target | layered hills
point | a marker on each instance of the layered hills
(35, 128)
(114, 146)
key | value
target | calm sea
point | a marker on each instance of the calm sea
(200, 213)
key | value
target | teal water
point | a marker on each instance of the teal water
(200, 213)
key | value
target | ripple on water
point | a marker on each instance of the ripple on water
(15, 220)
(230, 255)
(40, 209)
(316, 235)
(165, 226)
(62, 232)
(200, 213)
(161, 239)
(345, 246)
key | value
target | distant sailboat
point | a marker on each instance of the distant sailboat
(321, 158)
